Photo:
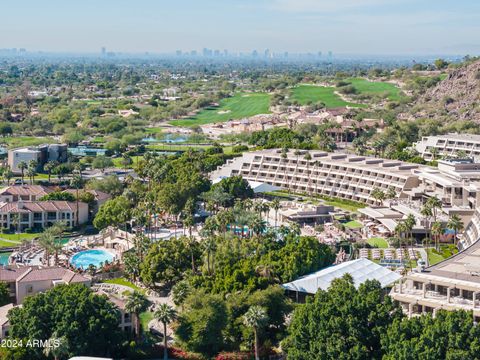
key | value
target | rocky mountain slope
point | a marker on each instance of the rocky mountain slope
(456, 97)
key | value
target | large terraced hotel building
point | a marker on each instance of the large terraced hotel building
(451, 284)
(449, 145)
(455, 182)
(339, 175)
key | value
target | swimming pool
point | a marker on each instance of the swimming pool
(4, 258)
(95, 257)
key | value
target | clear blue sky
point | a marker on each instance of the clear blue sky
(343, 26)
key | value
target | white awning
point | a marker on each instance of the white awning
(361, 270)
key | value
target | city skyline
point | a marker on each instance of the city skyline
(344, 27)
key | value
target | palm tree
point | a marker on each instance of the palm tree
(456, 224)
(76, 183)
(391, 193)
(46, 242)
(135, 304)
(48, 167)
(209, 246)
(264, 208)
(57, 347)
(434, 203)
(308, 158)
(426, 212)
(32, 170)
(165, 314)
(31, 174)
(8, 175)
(223, 219)
(410, 222)
(437, 231)
(276, 206)
(400, 230)
(257, 225)
(378, 195)
(180, 292)
(256, 317)
(22, 166)
(434, 153)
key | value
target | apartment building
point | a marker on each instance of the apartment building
(448, 145)
(21, 215)
(453, 284)
(23, 192)
(30, 280)
(41, 154)
(339, 175)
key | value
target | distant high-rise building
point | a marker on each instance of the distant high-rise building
(103, 50)
(254, 53)
(330, 54)
(225, 52)
(216, 53)
(179, 52)
(266, 54)
(319, 54)
(193, 53)
(285, 54)
(207, 52)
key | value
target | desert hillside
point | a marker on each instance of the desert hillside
(458, 96)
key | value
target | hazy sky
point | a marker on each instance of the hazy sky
(343, 26)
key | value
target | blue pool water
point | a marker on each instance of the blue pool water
(84, 258)
(4, 258)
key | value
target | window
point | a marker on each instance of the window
(29, 289)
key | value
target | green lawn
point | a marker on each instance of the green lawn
(153, 130)
(124, 282)
(8, 244)
(145, 318)
(376, 88)
(378, 242)
(21, 141)
(117, 162)
(348, 205)
(434, 257)
(19, 237)
(236, 107)
(353, 224)
(446, 250)
(310, 94)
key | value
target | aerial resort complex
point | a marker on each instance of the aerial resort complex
(228, 180)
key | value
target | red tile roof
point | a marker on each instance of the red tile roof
(36, 190)
(37, 206)
(52, 273)
(12, 273)
(98, 195)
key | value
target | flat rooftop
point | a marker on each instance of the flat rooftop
(459, 137)
(464, 266)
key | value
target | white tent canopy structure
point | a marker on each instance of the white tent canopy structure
(361, 270)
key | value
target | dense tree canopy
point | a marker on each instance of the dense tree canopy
(168, 260)
(450, 335)
(88, 321)
(341, 323)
